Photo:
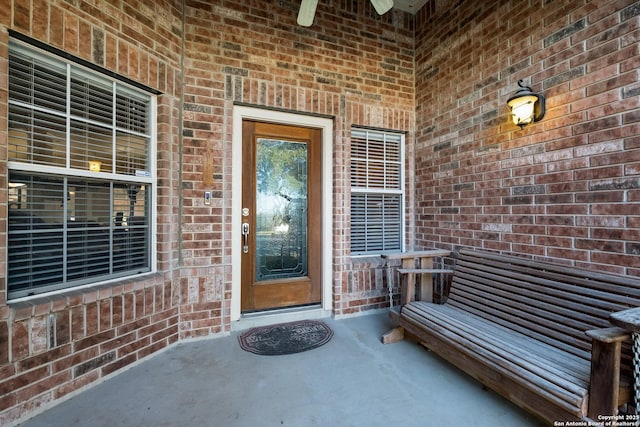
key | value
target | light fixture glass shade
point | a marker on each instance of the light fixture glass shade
(526, 106)
(522, 109)
(307, 12)
(382, 6)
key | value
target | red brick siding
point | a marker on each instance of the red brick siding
(50, 347)
(351, 64)
(565, 188)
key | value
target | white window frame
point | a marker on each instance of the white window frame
(385, 136)
(146, 176)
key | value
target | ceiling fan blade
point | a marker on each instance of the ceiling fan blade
(307, 12)
(382, 6)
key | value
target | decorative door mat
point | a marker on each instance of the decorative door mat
(286, 338)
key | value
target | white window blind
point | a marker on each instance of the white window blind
(377, 191)
(81, 175)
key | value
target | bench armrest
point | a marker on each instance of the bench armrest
(604, 386)
(609, 335)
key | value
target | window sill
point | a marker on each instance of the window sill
(134, 282)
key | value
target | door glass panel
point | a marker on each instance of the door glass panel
(281, 209)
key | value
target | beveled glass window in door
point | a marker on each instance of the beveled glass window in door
(281, 209)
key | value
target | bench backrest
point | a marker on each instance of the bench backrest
(549, 302)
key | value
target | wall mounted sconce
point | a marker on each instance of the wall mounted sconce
(526, 106)
(94, 165)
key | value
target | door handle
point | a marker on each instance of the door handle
(245, 237)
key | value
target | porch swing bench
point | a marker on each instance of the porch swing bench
(537, 333)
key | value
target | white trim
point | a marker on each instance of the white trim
(243, 112)
(403, 207)
(392, 136)
(279, 316)
(153, 165)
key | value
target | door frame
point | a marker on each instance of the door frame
(240, 113)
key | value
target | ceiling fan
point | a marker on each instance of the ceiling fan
(308, 10)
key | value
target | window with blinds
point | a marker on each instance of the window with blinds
(81, 175)
(377, 191)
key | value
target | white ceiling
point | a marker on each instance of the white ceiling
(411, 6)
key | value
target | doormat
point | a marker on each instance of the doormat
(286, 338)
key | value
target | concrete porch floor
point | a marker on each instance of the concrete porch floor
(354, 380)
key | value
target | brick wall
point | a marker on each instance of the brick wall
(52, 347)
(351, 64)
(566, 188)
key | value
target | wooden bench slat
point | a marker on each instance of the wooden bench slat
(535, 357)
(550, 288)
(574, 348)
(546, 284)
(514, 312)
(424, 270)
(569, 304)
(546, 290)
(517, 321)
(573, 337)
(563, 274)
(549, 305)
(530, 396)
(576, 345)
(595, 276)
(519, 348)
(547, 319)
(546, 313)
(567, 395)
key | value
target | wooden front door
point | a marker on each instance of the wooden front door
(281, 216)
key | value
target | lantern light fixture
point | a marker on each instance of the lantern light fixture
(526, 106)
